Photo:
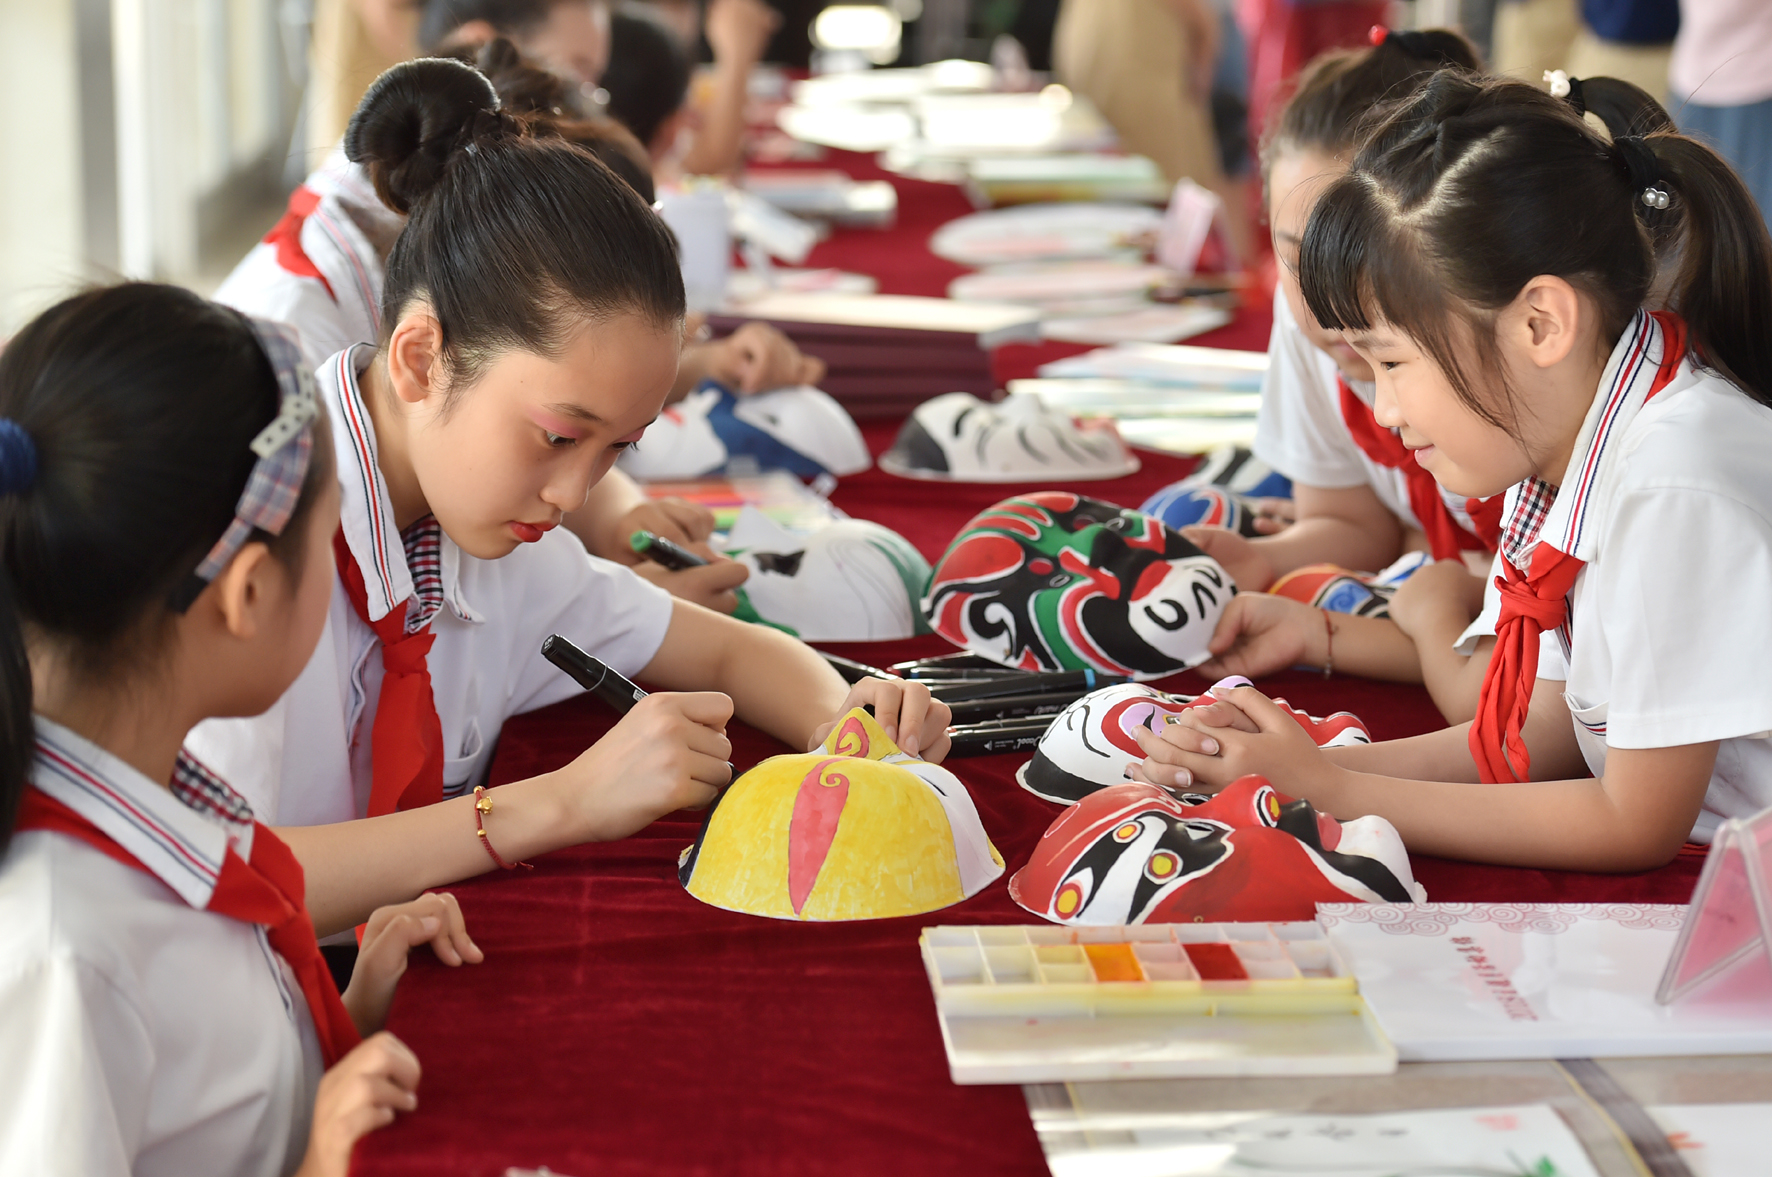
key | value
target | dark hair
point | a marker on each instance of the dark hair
(617, 147)
(555, 107)
(140, 403)
(1338, 90)
(1470, 189)
(511, 18)
(512, 234)
(647, 78)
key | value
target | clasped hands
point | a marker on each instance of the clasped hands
(1242, 732)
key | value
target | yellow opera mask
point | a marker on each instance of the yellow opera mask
(855, 830)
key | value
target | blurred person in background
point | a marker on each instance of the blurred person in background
(1721, 82)
(1148, 67)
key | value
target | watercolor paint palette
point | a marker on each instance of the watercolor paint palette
(1025, 1004)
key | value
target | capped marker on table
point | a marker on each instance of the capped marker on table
(1050, 682)
(593, 674)
(970, 711)
(667, 553)
(956, 661)
(993, 741)
(853, 671)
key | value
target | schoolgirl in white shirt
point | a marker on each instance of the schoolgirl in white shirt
(164, 1008)
(321, 269)
(1362, 503)
(533, 310)
(1496, 261)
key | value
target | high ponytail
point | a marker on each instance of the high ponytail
(513, 235)
(134, 409)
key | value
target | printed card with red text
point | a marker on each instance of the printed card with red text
(1526, 981)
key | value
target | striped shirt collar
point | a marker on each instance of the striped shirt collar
(182, 834)
(1565, 516)
(366, 512)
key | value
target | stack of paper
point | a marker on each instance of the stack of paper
(886, 354)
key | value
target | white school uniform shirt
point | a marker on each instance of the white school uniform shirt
(318, 270)
(306, 761)
(1670, 633)
(141, 1034)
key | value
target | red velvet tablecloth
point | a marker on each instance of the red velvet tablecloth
(620, 1027)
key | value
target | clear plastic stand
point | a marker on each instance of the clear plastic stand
(1729, 922)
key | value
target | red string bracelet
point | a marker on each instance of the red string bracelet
(1328, 650)
(482, 807)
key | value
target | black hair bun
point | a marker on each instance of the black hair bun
(414, 119)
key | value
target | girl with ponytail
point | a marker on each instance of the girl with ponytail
(1361, 503)
(1495, 260)
(322, 269)
(166, 501)
(531, 322)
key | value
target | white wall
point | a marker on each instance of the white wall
(42, 234)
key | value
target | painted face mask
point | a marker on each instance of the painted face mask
(1091, 742)
(1055, 581)
(856, 830)
(800, 430)
(959, 438)
(852, 581)
(1225, 490)
(1136, 854)
(1327, 586)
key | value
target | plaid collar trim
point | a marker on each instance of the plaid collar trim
(1559, 515)
(423, 543)
(181, 835)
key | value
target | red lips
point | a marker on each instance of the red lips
(530, 532)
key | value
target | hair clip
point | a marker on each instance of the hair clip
(1656, 198)
(1376, 34)
(1558, 81)
(296, 411)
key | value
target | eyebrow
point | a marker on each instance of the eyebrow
(576, 412)
(1368, 339)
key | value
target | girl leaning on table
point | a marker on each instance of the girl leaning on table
(1362, 501)
(166, 501)
(1495, 261)
(532, 318)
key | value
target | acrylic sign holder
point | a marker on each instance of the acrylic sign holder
(1039, 1004)
(1729, 922)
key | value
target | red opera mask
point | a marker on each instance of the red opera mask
(1135, 853)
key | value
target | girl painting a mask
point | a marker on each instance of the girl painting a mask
(532, 319)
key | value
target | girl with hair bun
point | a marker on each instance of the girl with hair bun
(531, 323)
(167, 497)
(322, 270)
(1584, 324)
(1361, 502)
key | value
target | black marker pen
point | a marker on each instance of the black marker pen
(592, 674)
(971, 711)
(990, 740)
(1051, 682)
(660, 550)
(853, 671)
(956, 661)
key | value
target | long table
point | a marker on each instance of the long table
(618, 1026)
